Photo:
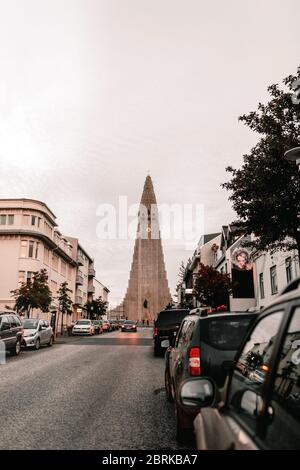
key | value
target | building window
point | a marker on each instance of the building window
(63, 267)
(33, 219)
(261, 286)
(30, 249)
(11, 219)
(3, 219)
(46, 256)
(23, 253)
(288, 269)
(55, 262)
(39, 222)
(21, 278)
(29, 276)
(36, 250)
(222, 270)
(274, 285)
(53, 287)
(25, 219)
(70, 270)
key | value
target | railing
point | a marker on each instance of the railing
(92, 272)
(79, 279)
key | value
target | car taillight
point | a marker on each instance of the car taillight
(194, 361)
(155, 332)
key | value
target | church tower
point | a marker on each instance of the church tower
(148, 290)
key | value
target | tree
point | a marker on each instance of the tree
(212, 287)
(265, 192)
(35, 293)
(96, 308)
(65, 302)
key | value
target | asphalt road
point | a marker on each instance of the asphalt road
(105, 392)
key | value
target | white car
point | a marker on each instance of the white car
(37, 333)
(83, 327)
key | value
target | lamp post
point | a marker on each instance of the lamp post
(293, 155)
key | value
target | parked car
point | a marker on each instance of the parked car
(250, 414)
(97, 326)
(11, 331)
(129, 325)
(205, 346)
(105, 326)
(37, 333)
(83, 327)
(166, 326)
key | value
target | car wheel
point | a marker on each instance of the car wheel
(51, 342)
(17, 349)
(168, 387)
(37, 344)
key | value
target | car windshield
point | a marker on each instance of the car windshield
(171, 317)
(129, 322)
(30, 324)
(83, 322)
(95, 322)
(228, 333)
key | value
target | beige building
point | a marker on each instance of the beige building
(30, 241)
(84, 280)
(100, 290)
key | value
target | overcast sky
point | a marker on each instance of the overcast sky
(96, 93)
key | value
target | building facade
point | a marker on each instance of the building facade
(30, 241)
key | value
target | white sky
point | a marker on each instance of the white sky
(94, 93)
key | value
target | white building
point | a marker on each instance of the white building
(272, 273)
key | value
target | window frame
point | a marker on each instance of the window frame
(274, 288)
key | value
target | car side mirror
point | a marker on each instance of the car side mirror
(198, 392)
(40, 328)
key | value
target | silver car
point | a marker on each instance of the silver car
(37, 333)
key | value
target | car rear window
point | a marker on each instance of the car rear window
(171, 317)
(228, 333)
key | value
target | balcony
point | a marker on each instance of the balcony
(92, 272)
(91, 289)
(78, 300)
(80, 259)
(79, 279)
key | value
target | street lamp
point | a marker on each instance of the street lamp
(293, 155)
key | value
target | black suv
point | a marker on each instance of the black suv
(11, 331)
(206, 345)
(259, 407)
(166, 326)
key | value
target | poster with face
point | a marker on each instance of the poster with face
(242, 273)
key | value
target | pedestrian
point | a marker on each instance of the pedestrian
(147, 322)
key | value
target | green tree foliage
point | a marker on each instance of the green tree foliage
(212, 288)
(33, 294)
(64, 301)
(96, 308)
(265, 191)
